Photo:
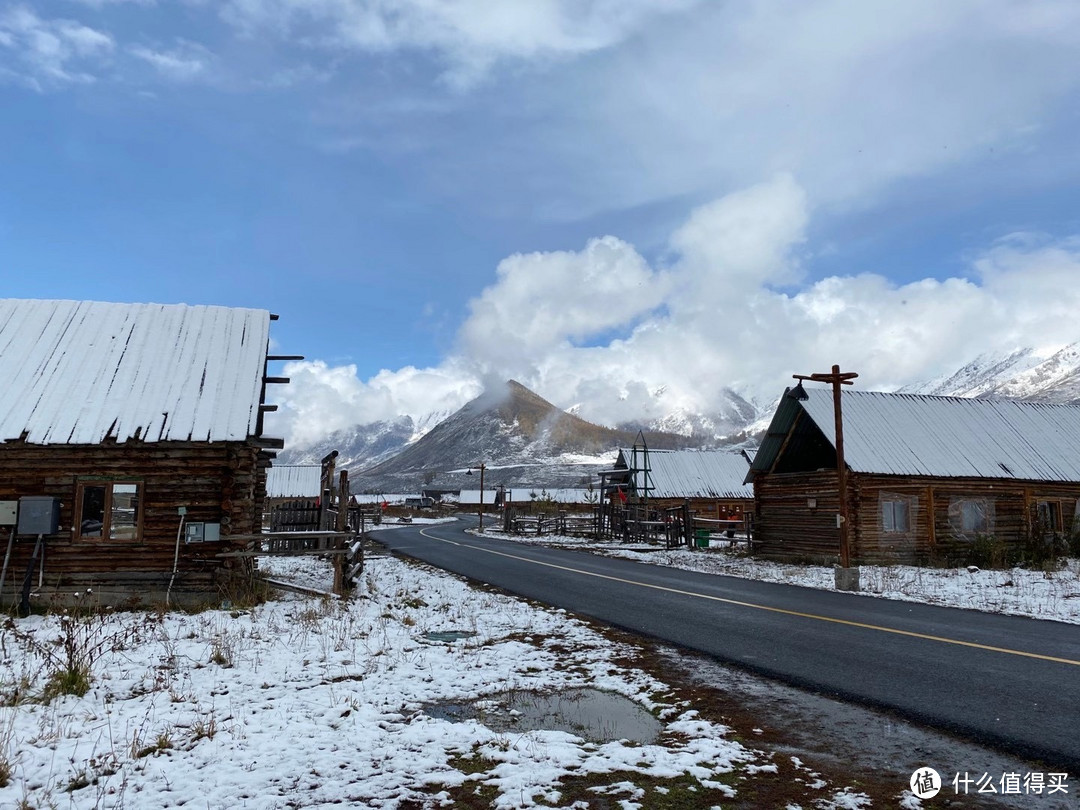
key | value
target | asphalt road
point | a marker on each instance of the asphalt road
(1004, 681)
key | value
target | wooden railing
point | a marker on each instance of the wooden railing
(346, 549)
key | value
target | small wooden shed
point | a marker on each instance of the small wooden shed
(141, 425)
(301, 497)
(928, 477)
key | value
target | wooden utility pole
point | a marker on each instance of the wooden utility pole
(836, 378)
(481, 529)
(481, 508)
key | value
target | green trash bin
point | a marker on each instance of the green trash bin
(701, 538)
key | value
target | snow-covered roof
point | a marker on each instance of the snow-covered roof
(294, 481)
(77, 372)
(692, 473)
(943, 437)
(471, 497)
(380, 497)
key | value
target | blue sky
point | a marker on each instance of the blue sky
(628, 205)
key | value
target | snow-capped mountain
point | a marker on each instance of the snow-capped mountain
(726, 418)
(358, 446)
(364, 445)
(1020, 374)
(520, 437)
(1056, 379)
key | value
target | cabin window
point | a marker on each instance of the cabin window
(973, 516)
(969, 516)
(895, 514)
(108, 510)
(1049, 516)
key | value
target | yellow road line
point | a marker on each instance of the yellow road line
(769, 608)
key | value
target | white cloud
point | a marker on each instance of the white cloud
(850, 97)
(99, 4)
(322, 399)
(544, 300)
(642, 100)
(468, 36)
(646, 103)
(48, 53)
(743, 240)
(685, 337)
(185, 62)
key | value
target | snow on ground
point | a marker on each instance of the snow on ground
(1018, 591)
(312, 702)
(309, 702)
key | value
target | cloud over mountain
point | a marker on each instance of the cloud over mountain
(621, 340)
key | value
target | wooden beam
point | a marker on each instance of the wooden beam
(786, 442)
(291, 553)
(290, 535)
(276, 380)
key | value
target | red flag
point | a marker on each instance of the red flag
(385, 504)
(622, 495)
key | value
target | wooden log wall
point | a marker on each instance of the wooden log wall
(787, 527)
(216, 482)
(716, 508)
(871, 544)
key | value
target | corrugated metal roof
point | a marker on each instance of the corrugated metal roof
(294, 481)
(951, 437)
(76, 372)
(567, 495)
(693, 473)
(471, 497)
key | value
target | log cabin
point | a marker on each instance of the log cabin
(713, 481)
(929, 478)
(132, 453)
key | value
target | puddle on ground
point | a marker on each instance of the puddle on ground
(593, 715)
(448, 635)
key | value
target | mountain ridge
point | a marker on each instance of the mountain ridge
(520, 438)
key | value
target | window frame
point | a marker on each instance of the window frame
(962, 511)
(108, 509)
(1053, 513)
(888, 506)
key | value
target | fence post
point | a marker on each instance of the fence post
(688, 524)
(342, 523)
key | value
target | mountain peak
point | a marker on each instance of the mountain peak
(518, 434)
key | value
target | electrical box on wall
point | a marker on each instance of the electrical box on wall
(39, 514)
(8, 512)
(202, 532)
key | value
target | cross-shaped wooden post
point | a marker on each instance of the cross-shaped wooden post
(836, 378)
